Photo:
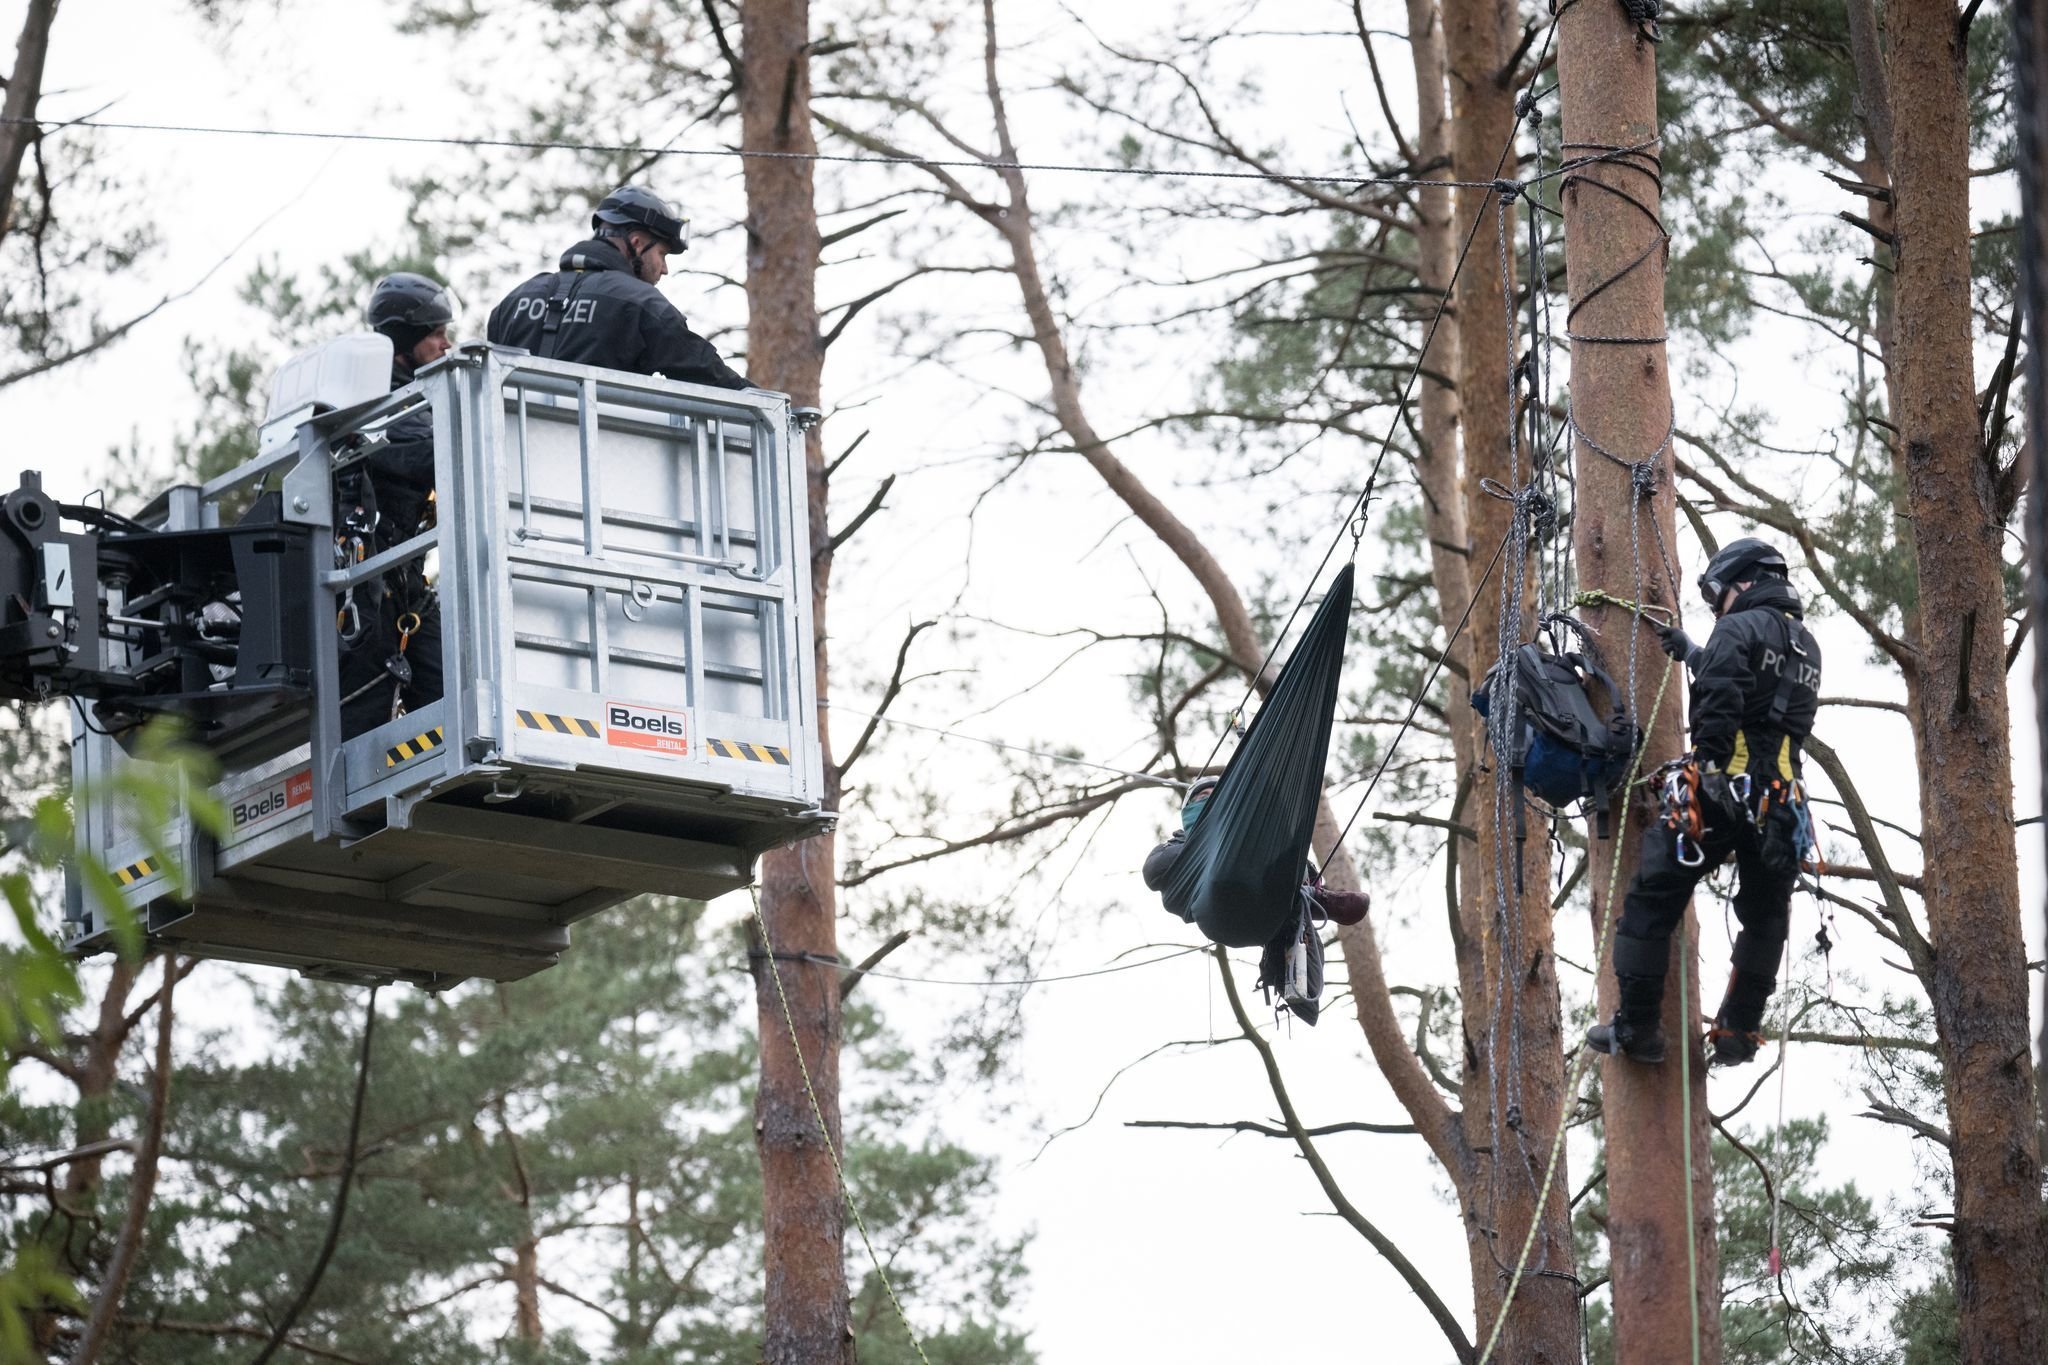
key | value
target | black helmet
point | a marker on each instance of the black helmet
(1739, 561)
(406, 307)
(630, 206)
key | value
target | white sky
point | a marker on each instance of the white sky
(1138, 1234)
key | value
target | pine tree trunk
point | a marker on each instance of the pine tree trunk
(526, 1324)
(1438, 469)
(1514, 1077)
(1665, 1266)
(24, 88)
(2030, 47)
(805, 1306)
(1980, 992)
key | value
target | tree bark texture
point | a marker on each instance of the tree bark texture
(1514, 1059)
(526, 1323)
(1980, 989)
(1439, 472)
(24, 89)
(2030, 112)
(806, 1308)
(1621, 398)
(113, 1285)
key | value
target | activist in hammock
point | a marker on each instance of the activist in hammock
(1239, 867)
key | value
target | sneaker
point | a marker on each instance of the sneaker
(1731, 1047)
(1637, 1042)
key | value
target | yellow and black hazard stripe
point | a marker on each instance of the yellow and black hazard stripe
(407, 750)
(550, 723)
(135, 872)
(748, 752)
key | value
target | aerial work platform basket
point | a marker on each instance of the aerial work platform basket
(623, 573)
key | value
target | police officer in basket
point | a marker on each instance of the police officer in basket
(391, 626)
(602, 307)
(1755, 692)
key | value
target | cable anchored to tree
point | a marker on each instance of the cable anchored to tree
(1410, 181)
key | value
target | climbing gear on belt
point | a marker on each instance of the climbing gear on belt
(1679, 810)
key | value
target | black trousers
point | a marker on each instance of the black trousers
(371, 690)
(1767, 872)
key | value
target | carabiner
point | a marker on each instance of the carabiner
(1679, 843)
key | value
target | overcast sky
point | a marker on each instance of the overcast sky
(1149, 1245)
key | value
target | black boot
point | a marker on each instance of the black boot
(1738, 1025)
(1637, 1042)
(1636, 1031)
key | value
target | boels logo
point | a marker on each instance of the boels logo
(264, 805)
(647, 727)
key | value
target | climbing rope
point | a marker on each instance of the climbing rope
(1357, 515)
(825, 1129)
(1579, 1062)
(1692, 1240)
(1644, 482)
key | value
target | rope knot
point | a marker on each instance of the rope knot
(1525, 107)
(1644, 14)
(1642, 477)
(1508, 190)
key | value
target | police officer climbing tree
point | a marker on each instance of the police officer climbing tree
(602, 308)
(1755, 691)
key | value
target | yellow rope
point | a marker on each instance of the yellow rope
(1692, 1247)
(1571, 1087)
(1593, 597)
(818, 1112)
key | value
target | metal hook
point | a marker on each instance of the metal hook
(637, 599)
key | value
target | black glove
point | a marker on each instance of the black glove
(1676, 642)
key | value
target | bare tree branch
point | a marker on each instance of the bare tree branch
(1268, 1130)
(857, 973)
(889, 693)
(1904, 1118)
(1446, 1321)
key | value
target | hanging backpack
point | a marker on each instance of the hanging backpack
(1563, 750)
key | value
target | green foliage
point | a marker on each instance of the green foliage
(1842, 1261)
(588, 1132)
(1926, 1324)
(40, 983)
(74, 222)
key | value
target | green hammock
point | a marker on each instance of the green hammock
(1239, 880)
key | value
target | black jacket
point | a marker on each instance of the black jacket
(608, 317)
(1160, 861)
(402, 468)
(1761, 645)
